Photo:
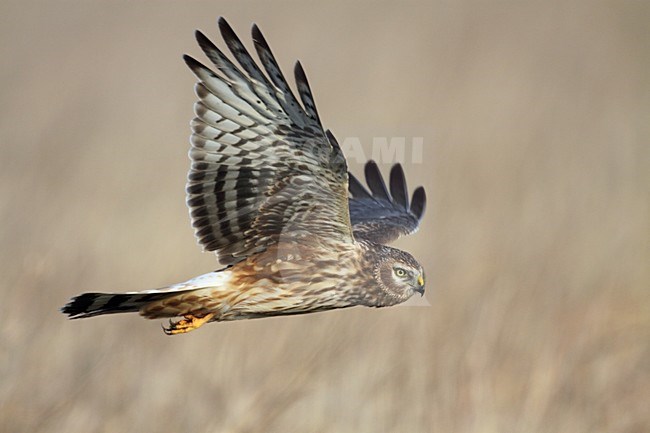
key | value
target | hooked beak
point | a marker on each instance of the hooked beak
(420, 288)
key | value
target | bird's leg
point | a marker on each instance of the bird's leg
(189, 323)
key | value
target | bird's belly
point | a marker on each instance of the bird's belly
(268, 298)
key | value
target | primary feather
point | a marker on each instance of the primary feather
(380, 216)
(259, 157)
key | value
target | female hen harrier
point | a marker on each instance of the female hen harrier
(268, 192)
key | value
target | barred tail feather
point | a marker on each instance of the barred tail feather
(95, 304)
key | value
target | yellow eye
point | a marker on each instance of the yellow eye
(400, 272)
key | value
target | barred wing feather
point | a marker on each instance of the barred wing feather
(262, 165)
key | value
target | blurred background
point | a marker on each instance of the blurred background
(534, 121)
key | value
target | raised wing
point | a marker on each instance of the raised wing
(382, 216)
(262, 166)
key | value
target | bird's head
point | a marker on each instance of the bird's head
(399, 276)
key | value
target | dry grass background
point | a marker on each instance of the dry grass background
(536, 241)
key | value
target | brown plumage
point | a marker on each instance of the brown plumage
(268, 193)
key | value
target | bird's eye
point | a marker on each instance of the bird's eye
(400, 272)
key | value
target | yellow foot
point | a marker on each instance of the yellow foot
(189, 323)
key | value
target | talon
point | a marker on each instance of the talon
(187, 324)
(168, 330)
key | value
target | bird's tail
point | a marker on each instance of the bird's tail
(95, 304)
(178, 299)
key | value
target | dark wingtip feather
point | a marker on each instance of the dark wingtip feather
(380, 216)
(299, 72)
(375, 181)
(240, 52)
(356, 188)
(306, 96)
(208, 47)
(258, 37)
(398, 188)
(333, 141)
(225, 29)
(232, 40)
(191, 62)
(202, 39)
(194, 64)
(418, 202)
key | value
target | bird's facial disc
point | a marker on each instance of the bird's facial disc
(408, 277)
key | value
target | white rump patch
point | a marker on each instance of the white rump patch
(205, 281)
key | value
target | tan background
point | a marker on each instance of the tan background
(536, 241)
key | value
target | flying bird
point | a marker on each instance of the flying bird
(269, 192)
